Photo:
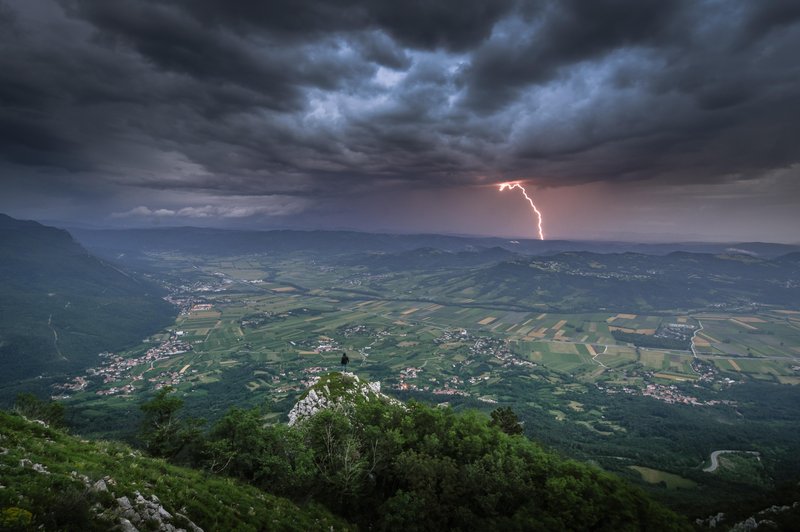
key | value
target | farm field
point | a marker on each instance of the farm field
(670, 481)
(276, 326)
(257, 332)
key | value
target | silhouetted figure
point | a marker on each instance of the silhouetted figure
(345, 360)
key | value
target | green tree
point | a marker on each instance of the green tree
(163, 433)
(271, 457)
(341, 456)
(505, 419)
(32, 407)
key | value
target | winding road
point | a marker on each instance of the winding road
(55, 337)
(694, 349)
(715, 458)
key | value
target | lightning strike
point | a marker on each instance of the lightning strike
(515, 184)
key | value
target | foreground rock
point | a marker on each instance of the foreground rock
(336, 390)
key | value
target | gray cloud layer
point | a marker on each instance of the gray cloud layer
(321, 98)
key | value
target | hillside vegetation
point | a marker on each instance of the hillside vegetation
(60, 306)
(56, 481)
(385, 465)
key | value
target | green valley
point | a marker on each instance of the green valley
(591, 351)
(256, 330)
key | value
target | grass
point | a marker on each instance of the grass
(271, 361)
(742, 468)
(213, 503)
(668, 480)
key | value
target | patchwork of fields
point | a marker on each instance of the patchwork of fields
(257, 331)
(278, 330)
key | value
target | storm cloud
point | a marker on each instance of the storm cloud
(296, 102)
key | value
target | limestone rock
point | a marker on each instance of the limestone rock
(148, 513)
(335, 390)
(126, 526)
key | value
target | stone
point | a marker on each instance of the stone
(126, 526)
(124, 503)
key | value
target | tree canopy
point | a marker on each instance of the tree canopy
(409, 466)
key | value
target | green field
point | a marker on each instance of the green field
(273, 324)
(668, 480)
(578, 389)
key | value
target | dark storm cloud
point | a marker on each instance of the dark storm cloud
(765, 17)
(308, 98)
(559, 34)
(452, 24)
(173, 42)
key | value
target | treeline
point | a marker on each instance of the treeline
(647, 340)
(412, 467)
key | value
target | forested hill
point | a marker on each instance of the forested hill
(583, 281)
(353, 455)
(61, 306)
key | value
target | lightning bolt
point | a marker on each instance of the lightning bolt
(515, 184)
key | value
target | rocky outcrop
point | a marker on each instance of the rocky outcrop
(147, 514)
(764, 519)
(141, 513)
(39, 468)
(336, 390)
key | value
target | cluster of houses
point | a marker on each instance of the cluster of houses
(115, 368)
(77, 384)
(672, 395)
(447, 390)
(676, 331)
(449, 387)
(114, 390)
(325, 345)
(667, 394)
(707, 372)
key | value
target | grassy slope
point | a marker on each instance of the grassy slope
(59, 500)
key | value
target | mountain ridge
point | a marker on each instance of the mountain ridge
(107, 242)
(60, 306)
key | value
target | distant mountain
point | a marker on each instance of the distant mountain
(130, 242)
(430, 259)
(790, 258)
(61, 306)
(582, 281)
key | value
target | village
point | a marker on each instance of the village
(669, 394)
(481, 348)
(115, 369)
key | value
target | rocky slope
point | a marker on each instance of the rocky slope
(50, 480)
(336, 391)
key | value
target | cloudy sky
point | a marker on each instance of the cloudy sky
(638, 120)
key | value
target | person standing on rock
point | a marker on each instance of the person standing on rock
(345, 360)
